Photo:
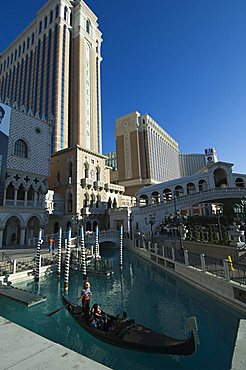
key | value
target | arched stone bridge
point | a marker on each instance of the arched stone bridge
(165, 208)
(110, 236)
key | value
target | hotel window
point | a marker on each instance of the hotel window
(23, 47)
(15, 54)
(28, 43)
(20, 149)
(51, 16)
(11, 61)
(32, 38)
(40, 27)
(45, 21)
(57, 11)
(19, 51)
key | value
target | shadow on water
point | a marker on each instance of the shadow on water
(151, 296)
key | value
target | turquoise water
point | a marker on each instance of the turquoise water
(153, 298)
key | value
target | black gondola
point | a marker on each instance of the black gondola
(130, 335)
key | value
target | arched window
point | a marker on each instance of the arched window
(70, 202)
(143, 200)
(70, 172)
(10, 193)
(45, 21)
(114, 203)
(98, 201)
(239, 183)
(167, 194)
(98, 174)
(92, 201)
(86, 200)
(190, 187)
(109, 203)
(86, 169)
(20, 149)
(178, 191)
(30, 194)
(155, 197)
(220, 178)
(21, 193)
(202, 185)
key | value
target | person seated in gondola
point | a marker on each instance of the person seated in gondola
(98, 318)
(86, 295)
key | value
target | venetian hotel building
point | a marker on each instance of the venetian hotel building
(53, 68)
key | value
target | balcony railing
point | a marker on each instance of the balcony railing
(114, 187)
(86, 182)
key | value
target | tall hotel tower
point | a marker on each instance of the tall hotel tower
(146, 154)
(53, 68)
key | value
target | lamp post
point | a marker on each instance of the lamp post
(240, 209)
(180, 227)
(151, 222)
(218, 212)
(131, 220)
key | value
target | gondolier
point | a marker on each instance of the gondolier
(86, 295)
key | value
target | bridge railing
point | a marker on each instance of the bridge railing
(189, 199)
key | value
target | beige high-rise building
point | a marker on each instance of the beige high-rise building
(53, 68)
(146, 154)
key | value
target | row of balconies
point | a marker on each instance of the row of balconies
(99, 185)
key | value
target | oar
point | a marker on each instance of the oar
(59, 309)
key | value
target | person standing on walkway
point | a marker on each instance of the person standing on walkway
(51, 244)
(86, 295)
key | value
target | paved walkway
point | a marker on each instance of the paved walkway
(23, 350)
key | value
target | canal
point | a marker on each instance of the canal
(151, 296)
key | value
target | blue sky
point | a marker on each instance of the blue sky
(181, 61)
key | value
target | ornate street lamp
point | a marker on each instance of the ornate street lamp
(151, 222)
(218, 212)
(240, 209)
(180, 226)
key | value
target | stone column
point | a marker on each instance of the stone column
(4, 196)
(35, 198)
(1, 238)
(15, 197)
(22, 235)
(25, 199)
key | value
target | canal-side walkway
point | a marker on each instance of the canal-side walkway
(22, 349)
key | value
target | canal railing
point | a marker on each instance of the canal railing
(221, 278)
(226, 268)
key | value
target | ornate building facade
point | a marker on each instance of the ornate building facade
(24, 178)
